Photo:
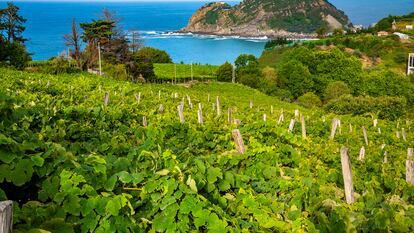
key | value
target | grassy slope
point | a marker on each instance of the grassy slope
(166, 71)
(281, 178)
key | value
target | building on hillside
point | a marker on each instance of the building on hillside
(382, 33)
(410, 67)
(357, 28)
(402, 35)
(409, 27)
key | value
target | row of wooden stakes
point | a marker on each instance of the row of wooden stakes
(347, 172)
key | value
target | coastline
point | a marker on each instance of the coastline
(267, 35)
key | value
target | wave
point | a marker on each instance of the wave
(152, 34)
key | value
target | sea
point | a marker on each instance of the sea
(157, 23)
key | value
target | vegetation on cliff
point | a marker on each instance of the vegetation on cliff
(267, 17)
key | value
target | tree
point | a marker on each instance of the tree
(225, 72)
(136, 41)
(295, 77)
(141, 67)
(98, 31)
(74, 40)
(309, 100)
(12, 49)
(247, 69)
(335, 90)
(270, 75)
(153, 55)
(321, 32)
(12, 24)
(97, 34)
(245, 60)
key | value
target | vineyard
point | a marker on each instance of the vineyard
(185, 71)
(81, 153)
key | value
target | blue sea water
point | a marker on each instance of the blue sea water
(47, 22)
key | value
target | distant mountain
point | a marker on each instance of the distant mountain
(290, 18)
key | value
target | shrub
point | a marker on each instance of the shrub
(152, 55)
(59, 65)
(295, 77)
(250, 79)
(309, 100)
(270, 74)
(385, 107)
(335, 90)
(225, 72)
(115, 71)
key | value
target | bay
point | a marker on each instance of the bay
(47, 22)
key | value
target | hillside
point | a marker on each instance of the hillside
(73, 162)
(254, 18)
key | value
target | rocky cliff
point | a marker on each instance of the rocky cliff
(272, 18)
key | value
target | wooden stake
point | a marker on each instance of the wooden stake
(180, 113)
(347, 175)
(271, 109)
(362, 154)
(375, 122)
(218, 106)
(264, 117)
(6, 217)
(409, 167)
(379, 130)
(200, 116)
(334, 127)
(159, 94)
(106, 99)
(281, 118)
(364, 132)
(403, 134)
(189, 100)
(397, 134)
(144, 121)
(161, 108)
(291, 125)
(251, 104)
(385, 157)
(302, 120)
(138, 98)
(229, 118)
(297, 114)
(238, 141)
(350, 128)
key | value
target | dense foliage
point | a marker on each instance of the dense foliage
(74, 164)
(384, 107)
(153, 55)
(225, 72)
(356, 64)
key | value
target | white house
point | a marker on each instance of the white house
(409, 27)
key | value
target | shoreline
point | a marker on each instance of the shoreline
(268, 36)
(264, 37)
